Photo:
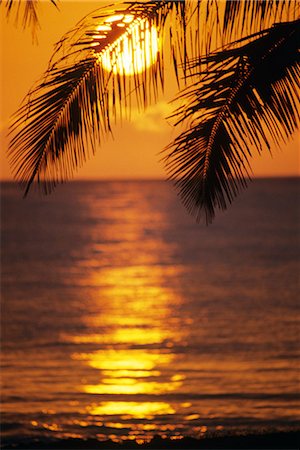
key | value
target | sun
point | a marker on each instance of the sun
(132, 52)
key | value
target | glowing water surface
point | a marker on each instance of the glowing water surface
(124, 319)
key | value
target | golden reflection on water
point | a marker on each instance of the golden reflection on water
(132, 308)
(138, 410)
(124, 336)
(131, 359)
(129, 386)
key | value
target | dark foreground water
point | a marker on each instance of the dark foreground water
(124, 319)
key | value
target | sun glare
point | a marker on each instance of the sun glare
(141, 410)
(133, 51)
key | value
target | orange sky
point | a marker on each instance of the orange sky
(134, 152)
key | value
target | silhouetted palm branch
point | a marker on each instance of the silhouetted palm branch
(24, 11)
(72, 106)
(247, 97)
(226, 20)
(71, 109)
(262, 14)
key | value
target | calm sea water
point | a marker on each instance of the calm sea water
(122, 318)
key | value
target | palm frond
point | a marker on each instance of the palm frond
(25, 12)
(70, 109)
(253, 16)
(247, 98)
(226, 20)
(86, 85)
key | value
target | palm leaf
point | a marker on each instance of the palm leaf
(26, 12)
(247, 98)
(253, 16)
(70, 109)
(218, 23)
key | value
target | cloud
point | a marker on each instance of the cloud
(153, 119)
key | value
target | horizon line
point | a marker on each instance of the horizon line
(131, 179)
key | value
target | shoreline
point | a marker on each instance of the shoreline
(279, 440)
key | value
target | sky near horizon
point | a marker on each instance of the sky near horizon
(134, 152)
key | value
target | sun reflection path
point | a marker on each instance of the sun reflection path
(131, 371)
(138, 410)
(135, 355)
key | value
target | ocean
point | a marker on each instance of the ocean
(122, 318)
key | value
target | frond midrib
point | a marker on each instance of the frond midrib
(60, 113)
